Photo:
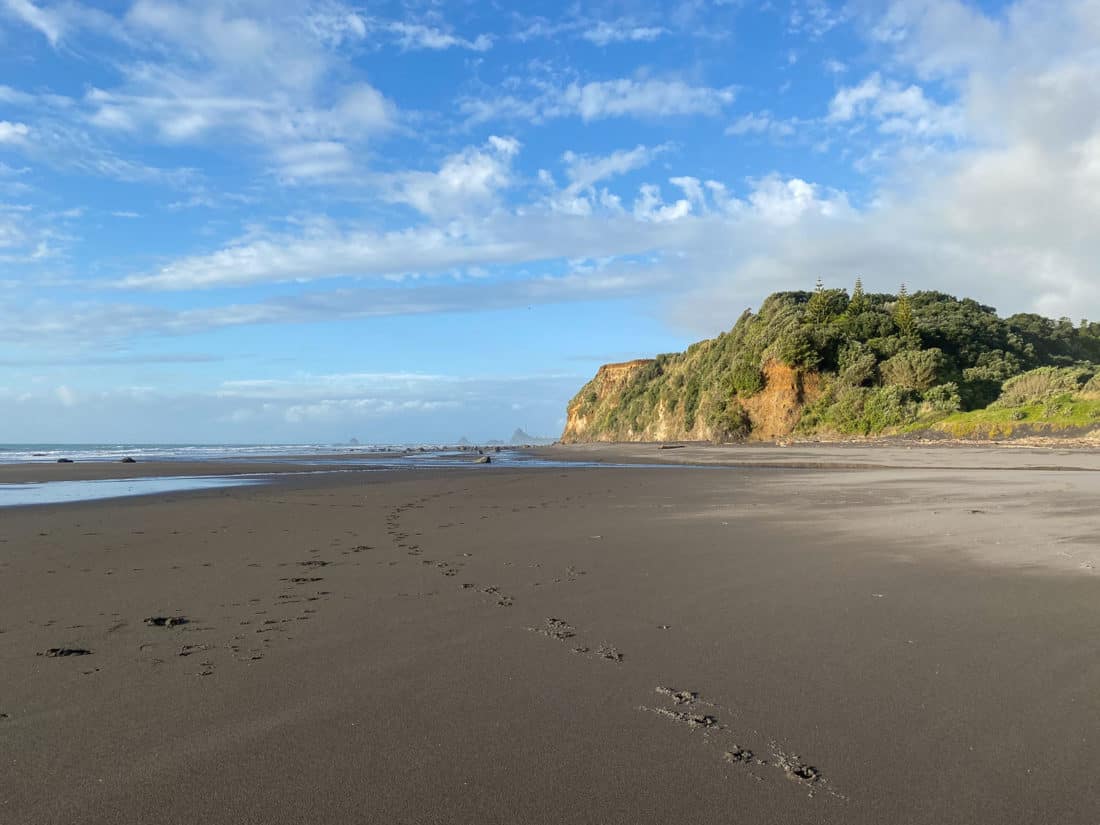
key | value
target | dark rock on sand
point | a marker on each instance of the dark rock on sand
(55, 652)
(166, 621)
(64, 461)
(127, 460)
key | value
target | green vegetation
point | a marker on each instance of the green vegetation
(1062, 415)
(826, 362)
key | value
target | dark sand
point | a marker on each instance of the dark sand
(914, 643)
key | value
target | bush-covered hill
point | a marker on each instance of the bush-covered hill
(830, 362)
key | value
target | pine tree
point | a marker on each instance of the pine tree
(858, 303)
(817, 309)
(903, 317)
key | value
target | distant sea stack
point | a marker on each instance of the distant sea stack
(828, 363)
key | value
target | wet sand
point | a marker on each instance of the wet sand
(910, 643)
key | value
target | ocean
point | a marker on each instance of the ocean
(45, 453)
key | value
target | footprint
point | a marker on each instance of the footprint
(679, 697)
(555, 629)
(794, 767)
(740, 755)
(609, 652)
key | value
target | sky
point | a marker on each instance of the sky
(248, 221)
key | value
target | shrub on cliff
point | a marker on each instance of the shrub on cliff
(943, 398)
(745, 377)
(861, 410)
(913, 369)
(1042, 384)
(729, 421)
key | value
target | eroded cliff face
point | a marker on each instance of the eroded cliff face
(776, 410)
(603, 411)
(595, 396)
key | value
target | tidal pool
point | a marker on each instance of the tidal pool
(60, 492)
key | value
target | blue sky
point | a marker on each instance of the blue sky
(254, 221)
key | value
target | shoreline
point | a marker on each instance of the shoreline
(807, 455)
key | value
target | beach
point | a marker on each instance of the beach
(771, 635)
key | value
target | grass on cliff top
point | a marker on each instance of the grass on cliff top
(1054, 415)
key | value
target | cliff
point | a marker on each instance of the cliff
(604, 410)
(828, 362)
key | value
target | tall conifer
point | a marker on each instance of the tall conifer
(903, 317)
(858, 303)
(817, 310)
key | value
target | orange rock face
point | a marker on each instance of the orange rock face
(776, 410)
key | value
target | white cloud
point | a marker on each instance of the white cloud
(351, 408)
(853, 100)
(580, 197)
(47, 22)
(649, 207)
(585, 170)
(945, 36)
(758, 123)
(692, 189)
(178, 109)
(336, 25)
(597, 100)
(325, 252)
(644, 98)
(900, 110)
(12, 233)
(468, 180)
(13, 132)
(605, 32)
(814, 17)
(250, 73)
(313, 161)
(598, 31)
(412, 36)
(783, 202)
